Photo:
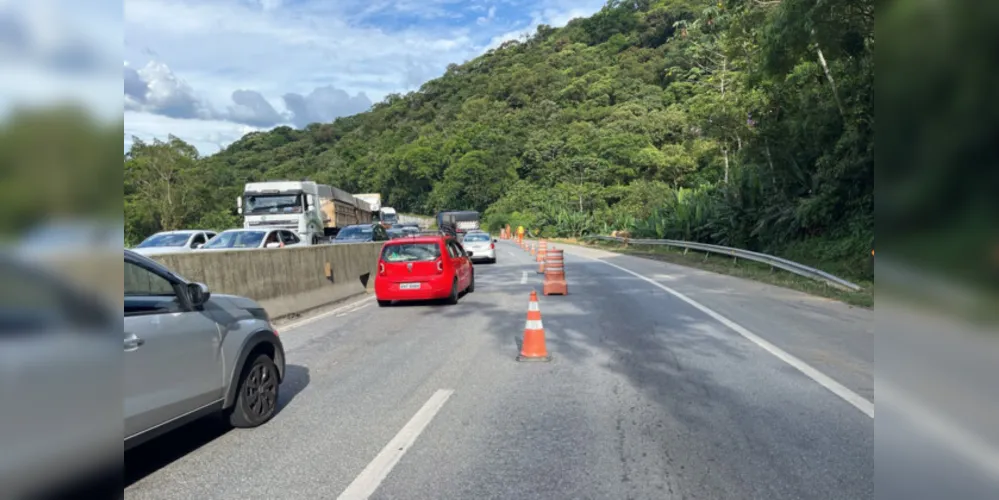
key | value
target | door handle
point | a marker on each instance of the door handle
(132, 342)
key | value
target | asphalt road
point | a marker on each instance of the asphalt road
(647, 396)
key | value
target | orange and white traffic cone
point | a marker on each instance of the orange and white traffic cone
(533, 249)
(533, 346)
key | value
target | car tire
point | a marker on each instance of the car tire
(492, 260)
(384, 303)
(471, 284)
(257, 393)
(453, 298)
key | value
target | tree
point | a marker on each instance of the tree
(161, 178)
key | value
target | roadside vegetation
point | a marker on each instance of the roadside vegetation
(735, 122)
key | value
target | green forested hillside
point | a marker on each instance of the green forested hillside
(738, 122)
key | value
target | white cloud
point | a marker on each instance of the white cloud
(209, 136)
(323, 105)
(490, 14)
(555, 13)
(257, 61)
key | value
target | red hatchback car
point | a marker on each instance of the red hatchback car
(423, 268)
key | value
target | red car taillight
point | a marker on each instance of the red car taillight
(492, 246)
(381, 268)
(440, 266)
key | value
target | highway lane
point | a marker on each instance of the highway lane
(646, 397)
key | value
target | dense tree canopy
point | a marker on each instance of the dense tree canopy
(738, 122)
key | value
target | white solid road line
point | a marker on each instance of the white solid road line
(348, 308)
(358, 308)
(523, 278)
(822, 379)
(371, 477)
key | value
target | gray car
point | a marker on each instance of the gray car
(189, 353)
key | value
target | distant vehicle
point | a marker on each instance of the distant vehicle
(396, 232)
(174, 242)
(423, 268)
(412, 230)
(189, 353)
(361, 233)
(315, 212)
(480, 245)
(462, 221)
(248, 239)
(388, 216)
(374, 200)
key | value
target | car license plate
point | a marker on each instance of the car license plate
(409, 286)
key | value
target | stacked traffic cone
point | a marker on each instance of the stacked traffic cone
(542, 252)
(554, 282)
(533, 347)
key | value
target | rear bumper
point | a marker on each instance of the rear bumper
(435, 288)
(483, 254)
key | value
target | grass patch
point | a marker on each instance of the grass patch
(740, 268)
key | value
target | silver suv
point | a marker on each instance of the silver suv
(189, 353)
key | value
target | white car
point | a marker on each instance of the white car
(173, 242)
(247, 239)
(481, 246)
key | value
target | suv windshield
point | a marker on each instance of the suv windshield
(165, 240)
(411, 252)
(355, 233)
(272, 203)
(236, 239)
(476, 237)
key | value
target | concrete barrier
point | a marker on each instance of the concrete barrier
(287, 280)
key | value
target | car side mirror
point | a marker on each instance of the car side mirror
(198, 294)
(273, 244)
(310, 200)
(495, 240)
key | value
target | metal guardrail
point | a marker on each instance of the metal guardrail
(774, 261)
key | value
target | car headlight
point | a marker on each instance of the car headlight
(259, 313)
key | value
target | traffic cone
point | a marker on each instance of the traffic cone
(542, 253)
(533, 347)
(533, 249)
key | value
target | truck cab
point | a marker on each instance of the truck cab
(291, 205)
(387, 216)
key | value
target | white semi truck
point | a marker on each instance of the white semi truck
(316, 212)
(373, 199)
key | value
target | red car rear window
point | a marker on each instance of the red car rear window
(411, 252)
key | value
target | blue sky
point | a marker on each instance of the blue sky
(209, 71)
